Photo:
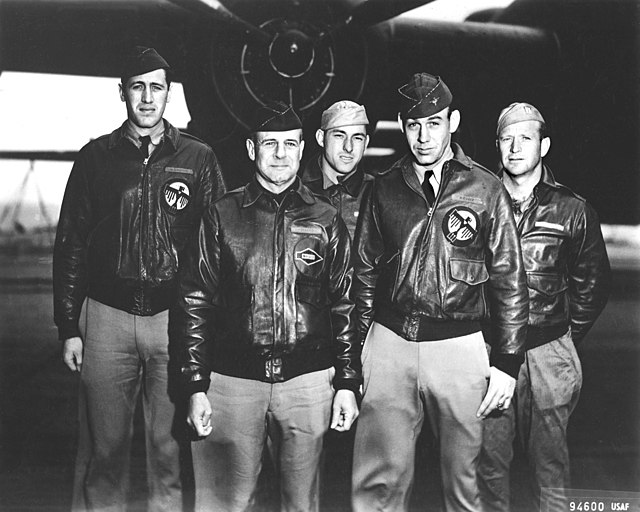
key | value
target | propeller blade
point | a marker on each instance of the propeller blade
(217, 11)
(371, 12)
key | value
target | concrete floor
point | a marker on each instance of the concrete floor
(38, 407)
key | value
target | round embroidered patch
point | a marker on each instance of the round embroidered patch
(308, 255)
(176, 195)
(460, 226)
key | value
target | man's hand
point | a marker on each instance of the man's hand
(199, 417)
(499, 393)
(72, 353)
(344, 410)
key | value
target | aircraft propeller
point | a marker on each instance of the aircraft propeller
(302, 61)
(219, 12)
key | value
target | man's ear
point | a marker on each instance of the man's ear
(320, 137)
(454, 121)
(251, 150)
(121, 91)
(169, 92)
(545, 145)
(400, 123)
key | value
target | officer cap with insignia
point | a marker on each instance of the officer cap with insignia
(517, 112)
(343, 113)
(275, 116)
(423, 96)
(141, 60)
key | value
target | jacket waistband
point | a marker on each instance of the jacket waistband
(537, 336)
(135, 299)
(271, 369)
(423, 328)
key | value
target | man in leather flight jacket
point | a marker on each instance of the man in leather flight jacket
(430, 261)
(133, 199)
(335, 173)
(568, 278)
(268, 328)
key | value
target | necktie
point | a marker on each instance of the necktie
(144, 145)
(427, 188)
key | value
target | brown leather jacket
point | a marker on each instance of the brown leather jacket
(267, 295)
(125, 221)
(568, 273)
(346, 196)
(417, 270)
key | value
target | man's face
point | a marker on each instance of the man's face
(521, 149)
(343, 146)
(146, 97)
(277, 156)
(429, 137)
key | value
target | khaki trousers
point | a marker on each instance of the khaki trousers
(404, 382)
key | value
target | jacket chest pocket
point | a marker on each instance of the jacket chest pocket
(546, 293)
(308, 245)
(544, 250)
(313, 314)
(465, 291)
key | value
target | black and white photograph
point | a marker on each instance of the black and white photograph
(319, 255)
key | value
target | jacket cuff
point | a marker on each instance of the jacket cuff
(197, 386)
(68, 331)
(350, 384)
(508, 363)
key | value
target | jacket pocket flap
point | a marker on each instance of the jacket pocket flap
(311, 294)
(472, 272)
(546, 284)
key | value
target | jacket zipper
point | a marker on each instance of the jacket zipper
(446, 177)
(277, 222)
(143, 216)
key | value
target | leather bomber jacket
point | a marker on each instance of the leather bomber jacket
(568, 272)
(345, 196)
(267, 297)
(125, 221)
(415, 268)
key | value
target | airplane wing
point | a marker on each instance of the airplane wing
(577, 60)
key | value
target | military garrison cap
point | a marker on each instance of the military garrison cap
(343, 113)
(423, 96)
(141, 60)
(517, 112)
(275, 116)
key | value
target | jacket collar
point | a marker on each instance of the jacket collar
(351, 185)
(253, 191)
(460, 160)
(547, 178)
(119, 136)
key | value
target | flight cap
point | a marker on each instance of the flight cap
(275, 116)
(343, 113)
(517, 112)
(423, 96)
(141, 60)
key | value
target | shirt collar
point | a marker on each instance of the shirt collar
(133, 135)
(168, 132)
(253, 191)
(331, 178)
(436, 169)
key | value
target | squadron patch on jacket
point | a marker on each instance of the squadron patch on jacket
(176, 195)
(460, 226)
(308, 256)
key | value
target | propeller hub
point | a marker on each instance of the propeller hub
(291, 53)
